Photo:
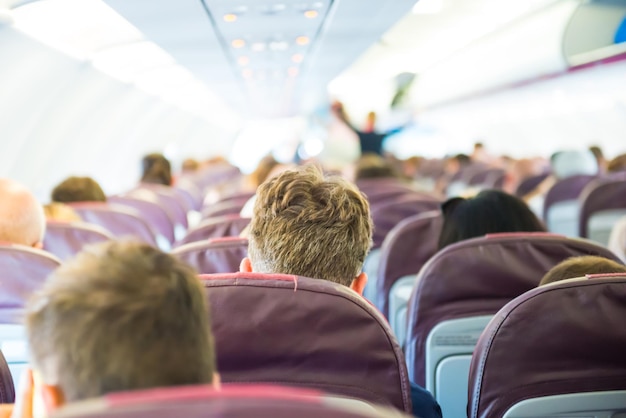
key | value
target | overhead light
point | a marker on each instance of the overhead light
(258, 46)
(238, 43)
(243, 61)
(428, 7)
(311, 14)
(230, 17)
(278, 45)
(297, 58)
(302, 40)
(292, 71)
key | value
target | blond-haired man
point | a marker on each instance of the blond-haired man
(310, 225)
(120, 316)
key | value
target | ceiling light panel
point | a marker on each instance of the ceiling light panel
(268, 42)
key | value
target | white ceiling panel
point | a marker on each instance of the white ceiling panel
(247, 51)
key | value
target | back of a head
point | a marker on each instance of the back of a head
(373, 166)
(78, 189)
(156, 169)
(617, 164)
(489, 212)
(22, 219)
(262, 170)
(309, 225)
(120, 316)
(579, 267)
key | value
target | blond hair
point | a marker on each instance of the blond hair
(579, 267)
(309, 225)
(120, 316)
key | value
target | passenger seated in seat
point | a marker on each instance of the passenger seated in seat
(22, 219)
(580, 266)
(490, 211)
(120, 316)
(320, 227)
(78, 189)
(156, 169)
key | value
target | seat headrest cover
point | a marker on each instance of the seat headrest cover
(24, 270)
(231, 401)
(478, 277)
(564, 338)
(298, 331)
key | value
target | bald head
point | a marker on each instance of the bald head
(21, 216)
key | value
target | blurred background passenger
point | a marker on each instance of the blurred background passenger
(617, 164)
(21, 216)
(370, 166)
(490, 211)
(602, 162)
(156, 169)
(78, 189)
(579, 267)
(60, 212)
(190, 165)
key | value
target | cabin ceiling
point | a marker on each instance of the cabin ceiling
(265, 58)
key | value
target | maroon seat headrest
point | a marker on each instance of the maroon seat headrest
(22, 271)
(231, 401)
(478, 277)
(386, 216)
(567, 337)
(218, 227)
(407, 247)
(598, 196)
(221, 255)
(121, 221)
(304, 332)
(568, 188)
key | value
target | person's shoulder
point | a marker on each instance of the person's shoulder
(424, 403)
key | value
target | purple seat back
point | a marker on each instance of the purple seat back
(487, 176)
(231, 401)
(218, 227)
(568, 188)
(380, 189)
(478, 277)
(7, 389)
(518, 356)
(229, 207)
(386, 216)
(66, 239)
(147, 204)
(121, 221)
(172, 196)
(170, 200)
(598, 196)
(237, 196)
(331, 338)
(405, 250)
(221, 255)
(529, 184)
(23, 271)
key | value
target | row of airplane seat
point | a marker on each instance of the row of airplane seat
(440, 302)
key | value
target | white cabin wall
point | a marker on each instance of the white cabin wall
(62, 117)
(574, 110)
